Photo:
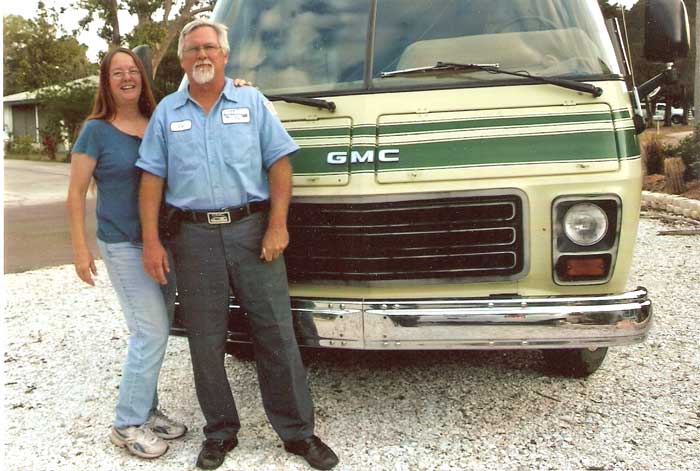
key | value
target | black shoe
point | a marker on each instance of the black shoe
(314, 451)
(214, 452)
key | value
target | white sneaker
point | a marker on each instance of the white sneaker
(165, 427)
(140, 441)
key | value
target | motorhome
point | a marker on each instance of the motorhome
(469, 174)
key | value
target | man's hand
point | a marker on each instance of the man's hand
(155, 262)
(274, 242)
(85, 266)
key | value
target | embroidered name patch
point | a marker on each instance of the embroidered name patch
(235, 115)
(177, 126)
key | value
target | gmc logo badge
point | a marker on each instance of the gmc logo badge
(384, 155)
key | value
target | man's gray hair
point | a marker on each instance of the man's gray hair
(221, 31)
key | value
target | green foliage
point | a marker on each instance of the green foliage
(51, 136)
(169, 74)
(20, 145)
(677, 94)
(158, 26)
(67, 106)
(689, 150)
(654, 152)
(106, 12)
(37, 53)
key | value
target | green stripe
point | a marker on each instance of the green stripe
(491, 123)
(314, 161)
(627, 143)
(512, 150)
(517, 149)
(329, 132)
(368, 130)
(621, 114)
(371, 130)
(526, 149)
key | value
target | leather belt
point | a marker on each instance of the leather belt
(224, 215)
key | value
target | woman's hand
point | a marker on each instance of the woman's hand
(239, 82)
(85, 265)
(81, 169)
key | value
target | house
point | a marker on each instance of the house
(22, 115)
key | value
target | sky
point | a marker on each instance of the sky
(69, 20)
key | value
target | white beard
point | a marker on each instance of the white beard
(203, 75)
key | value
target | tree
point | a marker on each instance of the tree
(169, 73)
(66, 106)
(159, 22)
(608, 10)
(37, 53)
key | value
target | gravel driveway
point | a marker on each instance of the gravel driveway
(379, 411)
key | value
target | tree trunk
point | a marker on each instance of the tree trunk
(173, 29)
(674, 170)
(112, 7)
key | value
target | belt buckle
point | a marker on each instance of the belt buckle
(219, 217)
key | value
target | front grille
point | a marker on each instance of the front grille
(464, 237)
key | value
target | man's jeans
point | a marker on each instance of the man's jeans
(148, 321)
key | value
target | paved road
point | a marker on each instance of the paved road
(36, 227)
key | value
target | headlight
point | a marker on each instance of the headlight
(585, 224)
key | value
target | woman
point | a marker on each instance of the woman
(106, 150)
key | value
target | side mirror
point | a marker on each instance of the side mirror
(667, 31)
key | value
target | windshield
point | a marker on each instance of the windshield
(322, 46)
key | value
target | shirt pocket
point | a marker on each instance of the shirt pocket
(182, 152)
(242, 152)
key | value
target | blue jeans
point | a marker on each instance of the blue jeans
(148, 322)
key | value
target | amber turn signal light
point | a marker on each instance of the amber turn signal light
(579, 268)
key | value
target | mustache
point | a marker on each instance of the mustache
(203, 62)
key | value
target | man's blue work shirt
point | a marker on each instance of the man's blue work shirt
(215, 160)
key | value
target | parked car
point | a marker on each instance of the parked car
(676, 113)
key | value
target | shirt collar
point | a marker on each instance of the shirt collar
(229, 92)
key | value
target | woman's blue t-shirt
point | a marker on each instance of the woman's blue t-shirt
(117, 179)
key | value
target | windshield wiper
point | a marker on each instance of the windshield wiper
(316, 102)
(495, 69)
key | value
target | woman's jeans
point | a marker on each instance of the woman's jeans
(148, 321)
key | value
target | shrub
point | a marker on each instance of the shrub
(8, 143)
(66, 107)
(654, 151)
(21, 145)
(50, 138)
(689, 150)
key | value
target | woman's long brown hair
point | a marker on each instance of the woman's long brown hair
(104, 106)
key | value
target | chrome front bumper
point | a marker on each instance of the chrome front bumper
(506, 322)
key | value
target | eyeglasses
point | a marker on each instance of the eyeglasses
(120, 74)
(207, 48)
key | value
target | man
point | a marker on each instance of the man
(223, 147)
